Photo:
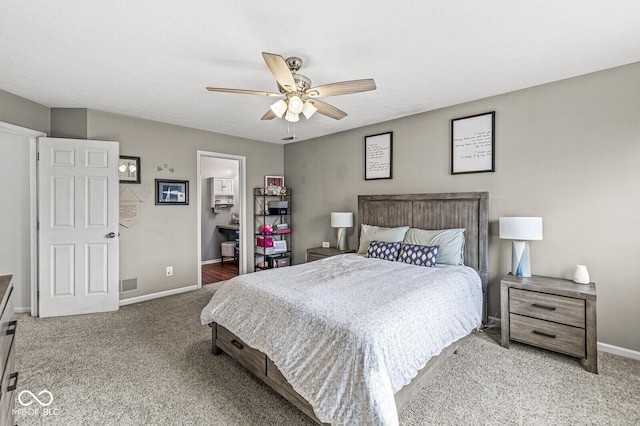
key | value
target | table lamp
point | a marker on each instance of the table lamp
(521, 230)
(342, 221)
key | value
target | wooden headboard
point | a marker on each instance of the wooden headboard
(468, 210)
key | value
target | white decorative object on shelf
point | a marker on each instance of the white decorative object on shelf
(581, 275)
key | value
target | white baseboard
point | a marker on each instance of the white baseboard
(617, 350)
(157, 295)
(26, 310)
(604, 347)
(209, 262)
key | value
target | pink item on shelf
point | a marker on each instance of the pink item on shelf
(266, 229)
(265, 242)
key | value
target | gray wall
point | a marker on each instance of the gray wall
(167, 235)
(23, 112)
(69, 123)
(567, 151)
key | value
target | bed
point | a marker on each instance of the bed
(341, 350)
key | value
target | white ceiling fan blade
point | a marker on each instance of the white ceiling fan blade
(280, 70)
(328, 110)
(342, 88)
(269, 115)
(244, 92)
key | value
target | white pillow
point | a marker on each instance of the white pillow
(451, 242)
(378, 233)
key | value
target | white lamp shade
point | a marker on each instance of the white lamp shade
(521, 228)
(309, 109)
(291, 116)
(279, 108)
(295, 105)
(341, 219)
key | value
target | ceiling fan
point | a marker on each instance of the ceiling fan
(296, 92)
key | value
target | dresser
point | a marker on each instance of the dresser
(8, 326)
(317, 253)
(550, 313)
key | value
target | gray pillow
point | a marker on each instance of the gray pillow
(378, 233)
(451, 242)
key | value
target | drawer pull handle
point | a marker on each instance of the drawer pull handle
(542, 333)
(548, 308)
(15, 384)
(237, 344)
(11, 329)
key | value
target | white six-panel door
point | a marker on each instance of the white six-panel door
(78, 226)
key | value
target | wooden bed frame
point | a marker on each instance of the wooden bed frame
(467, 210)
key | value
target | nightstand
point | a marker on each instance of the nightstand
(318, 253)
(550, 313)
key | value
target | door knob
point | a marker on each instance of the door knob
(111, 235)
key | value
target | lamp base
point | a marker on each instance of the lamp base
(343, 244)
(520, 261)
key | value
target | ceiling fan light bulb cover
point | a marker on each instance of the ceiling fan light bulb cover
(309, 109)
(295, 105)
(279, 108)
(291, 116)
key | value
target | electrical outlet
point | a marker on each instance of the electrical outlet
(325, 244)
(169, 271)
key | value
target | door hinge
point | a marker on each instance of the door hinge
(38, 156)
(38, 295)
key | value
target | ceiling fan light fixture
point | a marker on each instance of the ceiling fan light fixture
(291, 116)
(309, 109)
(279, 108)
(295, 104)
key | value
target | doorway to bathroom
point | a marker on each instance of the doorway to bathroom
(221, 218)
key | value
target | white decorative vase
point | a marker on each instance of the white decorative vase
(581, 275)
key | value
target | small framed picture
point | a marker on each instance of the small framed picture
(378, 156)
(172, 192)
(273, 181)
(129, 169)
(473, 144)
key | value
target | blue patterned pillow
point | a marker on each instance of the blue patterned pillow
(382, 250)
(418, 255)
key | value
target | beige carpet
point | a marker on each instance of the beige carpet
(150, 364)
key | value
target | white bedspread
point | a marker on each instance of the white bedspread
(348, 332)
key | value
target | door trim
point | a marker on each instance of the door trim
(242, 197)
(33, 208)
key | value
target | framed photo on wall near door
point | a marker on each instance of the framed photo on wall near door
(172, 192)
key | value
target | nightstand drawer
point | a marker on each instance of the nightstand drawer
(560, 309)
(312, 257)
(549, 335)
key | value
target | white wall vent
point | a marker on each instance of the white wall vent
(128, 284)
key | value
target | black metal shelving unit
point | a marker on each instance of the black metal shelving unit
(266, 216)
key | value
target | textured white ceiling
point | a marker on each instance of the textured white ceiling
(153, 58)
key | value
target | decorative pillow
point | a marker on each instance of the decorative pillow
(450, 242)
(383, 250)
(416, 254)
(388, 235)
